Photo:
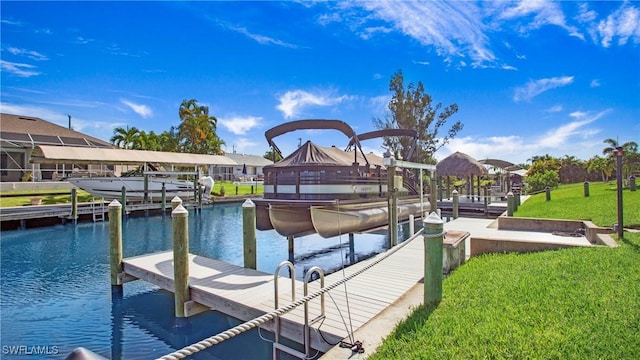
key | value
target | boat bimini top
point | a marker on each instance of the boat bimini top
(313, 124)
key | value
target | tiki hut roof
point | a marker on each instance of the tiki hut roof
(459, 164)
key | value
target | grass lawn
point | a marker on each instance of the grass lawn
(580, 303)
(601, 207)
(23, 197)
(231, 189)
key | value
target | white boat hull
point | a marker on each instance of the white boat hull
(110, 188)
(329, 221)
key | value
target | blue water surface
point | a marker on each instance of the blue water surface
(56, 293)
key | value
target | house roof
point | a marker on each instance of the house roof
(25, 131)
(249, 160)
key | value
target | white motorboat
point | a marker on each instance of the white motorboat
(110, 188)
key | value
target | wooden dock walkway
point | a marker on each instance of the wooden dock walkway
(246, 294)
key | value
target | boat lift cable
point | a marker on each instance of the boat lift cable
(256, 322)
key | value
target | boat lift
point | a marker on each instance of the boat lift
(391, 163)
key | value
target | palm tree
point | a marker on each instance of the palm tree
(605, 166)
(630, 151)
(127, 138)
(197, 131)
(572, 169)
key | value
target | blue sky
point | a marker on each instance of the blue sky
(530, 78)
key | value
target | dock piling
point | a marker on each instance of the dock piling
(433, 253)
(249, 233)
(352, 249)
(181, 259)
(123, 200)
(164, 199)
(175, 202)
(412, 226)
(74, 205)
(511, 203)
(115, 236)
(456, 201)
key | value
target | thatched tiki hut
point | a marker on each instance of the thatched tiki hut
(462, 166)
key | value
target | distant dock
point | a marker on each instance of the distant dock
(21, 217)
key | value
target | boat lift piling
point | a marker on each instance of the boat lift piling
(115, 236)
(391, 163)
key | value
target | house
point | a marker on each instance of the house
(249, 168)
(19, 135)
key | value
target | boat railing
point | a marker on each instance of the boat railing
(291, 179)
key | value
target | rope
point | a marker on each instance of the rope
(248, 325)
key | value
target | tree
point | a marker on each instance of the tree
(127, 138)
(197, 131)
(272, 155)
(170, 140)
(605, 166)
(412, 108)
(572, 169)
(630, 159)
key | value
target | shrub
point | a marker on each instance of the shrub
(540, 180)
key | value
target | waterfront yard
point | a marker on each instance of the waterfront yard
(566, 304)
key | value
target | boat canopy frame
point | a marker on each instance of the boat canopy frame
(388, 133)
(321, 124)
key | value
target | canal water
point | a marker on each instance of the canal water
(56, 293)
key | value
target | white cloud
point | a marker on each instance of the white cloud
(292, 102)
(452, 28)
(554, 109)
(241, 146)
(239, 125)
(560, 136)
(261, 39)
(536, 87)
(575, 137)
(326, 19)
(542, 12)
(624, 24)
(21, 70)
(509, 67)
(142, 110)
(421, 62)
(34, 55)
(595, 83)
(585, 15)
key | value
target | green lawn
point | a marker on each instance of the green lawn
(23, 197)
(569, 202)
(580, 303)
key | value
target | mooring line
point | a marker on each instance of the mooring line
(248, 325)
